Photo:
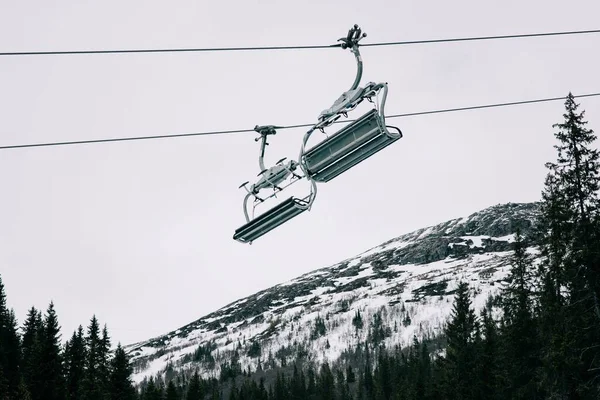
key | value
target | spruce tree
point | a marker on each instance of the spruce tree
(194, 391)
(280, 390)
(75, 364)
(171, 392)
(311, 386)
(577, 171)
(350, 376)
(120, 384)
(104, 359)
(9, 349)
(520, 333)
(551, 313)
(93, 383)
(569, 303)
(297, 385)
(152, 391)
(30, 346)
(425, 374)
(460, 350)
(51, 379)
(326, 383)
(489, 360)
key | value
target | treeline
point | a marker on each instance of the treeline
(35, 365)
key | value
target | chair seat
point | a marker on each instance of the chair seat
(354, 143)
(270, 220)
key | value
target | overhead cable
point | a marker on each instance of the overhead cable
(224, 132)
(305, 47)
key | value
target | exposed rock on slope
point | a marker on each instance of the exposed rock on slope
(401, 288)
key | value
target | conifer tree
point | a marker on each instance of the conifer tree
(194, 391)
(75, 364)
(280, 390)
(30, 346)
(311, 384)
(51, 380)
(520, 333)
(425, 374)
(152, 391)
(357, 320)
(343, 387)
(92, 385)
(382, 375)
(120, 384)
(9, 348)
(489, 361)
(326, 383)
(554, 227)
(569, 302)
(350, 376)
(171, 393)
(104, 359)
(297, 385)
(460, 350)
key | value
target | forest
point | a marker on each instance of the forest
(538, 339)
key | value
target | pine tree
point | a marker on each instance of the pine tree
(489, 360)
(520, 333)
(311, 386)
(51, 379)
(343, 387)
(460, 350)
(297, 385)
(350, 376)
(552, 321)
(326, 383)
(171, 392)
(92, 385)
(357, 320)
(569, 302)
(120, 384)
(152, 391)
(280, 390)
(30, 346)
(425, 374)
(104, 359)
(9, 348)
(75, 364)
(194, 389)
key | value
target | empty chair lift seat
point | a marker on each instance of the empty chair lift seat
(352, 144)
(270, 220)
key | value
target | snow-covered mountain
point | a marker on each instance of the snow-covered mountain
(405, 285)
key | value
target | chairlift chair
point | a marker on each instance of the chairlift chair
(356, 141)
(272, 178)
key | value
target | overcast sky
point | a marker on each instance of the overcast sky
(140, 233)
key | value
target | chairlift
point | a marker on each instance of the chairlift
(355, 142)
(358, 140)
(272, 178)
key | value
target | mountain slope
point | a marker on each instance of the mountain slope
(401, 288)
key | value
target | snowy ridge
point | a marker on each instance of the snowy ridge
(406, 283)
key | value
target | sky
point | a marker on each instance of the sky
(140, 233)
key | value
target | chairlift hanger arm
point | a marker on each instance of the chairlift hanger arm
(355, 34)
(264, 131)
